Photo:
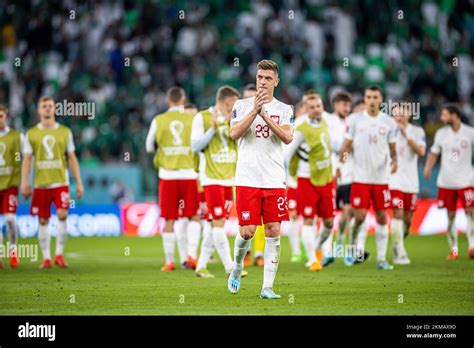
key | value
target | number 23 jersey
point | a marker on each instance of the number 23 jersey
(260, 161)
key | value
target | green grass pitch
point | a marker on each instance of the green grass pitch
(103, 280)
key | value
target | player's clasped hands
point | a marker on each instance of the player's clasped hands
(260, 98)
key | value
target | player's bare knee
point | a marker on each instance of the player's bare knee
(308, 221)
(381, 217)
(218, 222)
(247, 232)
(169, 225)
(62, 214)
(451, 214)
(272, 229)
(328, 223)
(195, 218)
(398, 214)
(293, 215)
(43, 221)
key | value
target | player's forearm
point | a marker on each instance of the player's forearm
(25, 169)
(200, 143)
(418, 149)
(238, 129)
(345, 150)
(431, 161)
(76, 173)
(393, 152)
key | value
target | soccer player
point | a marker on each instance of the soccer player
(342, 103)
(210, 134)
(454, 143)
(318, 199)
(292, 192)
(250, 90)
(371, 134)
(10, 153)
(170, 132)
(404, 185)
(262, 124)
(51, 145)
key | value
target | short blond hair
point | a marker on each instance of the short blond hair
(45, 98)
(4, 109)
(225, 92)
(268, 64)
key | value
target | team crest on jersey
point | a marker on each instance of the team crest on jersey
(245, 215)
(275, 118)
(382, 130)
(218, 211)
(464, 143)
(356, 201)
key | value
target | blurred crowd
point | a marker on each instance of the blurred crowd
(123, 55)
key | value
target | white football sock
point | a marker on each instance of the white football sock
(452, 235)
(294, 237)
(398, 236)
(44, 241)
(271, 257)
(169, 239)
(207, 246)
(381, 239)
(326, 247)
(241, 246)
(223, 248)
(470, 231)
(61, 236)
(181, 227)
(308, 238)
(12, 230)
(194, 237)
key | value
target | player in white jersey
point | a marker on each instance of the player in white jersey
(337, 126)
(371, 134)
(210, 138)
(292, 192)
(262, 124)
(404, 184)
(454, 143)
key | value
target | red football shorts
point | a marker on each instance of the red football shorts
(257, 204)
(316, 200)
(363, 194)
(403, 200)
(43, 197)
(447, 198)
(219, 201)
(178, 198)
(9, 200)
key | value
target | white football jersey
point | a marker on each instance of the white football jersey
(405, 178)
(260, 161)
(456, 156)
(370, 146)
(337, 128)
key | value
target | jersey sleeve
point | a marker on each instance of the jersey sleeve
(421, 138)
(150, 137)
(436, 147)
(350, 128)
(392, 132)
(292, 147)
(288, 117)
(70, 143)
(199, 139)
(27, 148)
(238, 112)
